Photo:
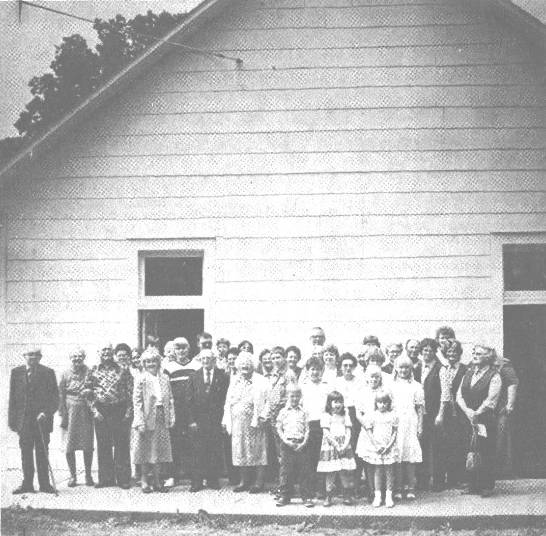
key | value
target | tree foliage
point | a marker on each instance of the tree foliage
(77, 71)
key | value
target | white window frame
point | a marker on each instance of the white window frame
(503, 297)
(180, 247)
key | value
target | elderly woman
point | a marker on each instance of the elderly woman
(293, 357)
(153, 416)
(76, 415)
(330, 357)
(477, 397)
(245, 402)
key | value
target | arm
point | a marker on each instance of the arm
(171, 403)
(419, 410)
(490, 403)
(305, 437)
(53, 393)
(280, 431)
(128, 388)
(138, 405)
(512, 392)
(226, 419)
(392, 439)
(462, 404)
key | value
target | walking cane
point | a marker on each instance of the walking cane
(54, 485)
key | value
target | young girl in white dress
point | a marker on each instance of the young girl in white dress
(408, 403)
(379, 448)
(336, 454)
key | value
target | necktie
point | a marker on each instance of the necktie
(207, 379)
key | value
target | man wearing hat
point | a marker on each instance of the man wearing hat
(33, 399)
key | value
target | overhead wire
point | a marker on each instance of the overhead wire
(188, 48)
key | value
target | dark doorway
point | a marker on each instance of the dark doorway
(525, 345)
(167, 324)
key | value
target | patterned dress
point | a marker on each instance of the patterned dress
(245, 401)
(333, 459)
(380, 427)
(75, 410)
(407, 396)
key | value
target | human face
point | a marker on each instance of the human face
(452, 356)
(329, 360)
(404, 371)
(376, 360)
(246, 347)
(135, 360)
(294, 398)
(231, 360)
(182, 353)
(77, 359)
(428, 354)
(279, 361)
(267, 362)
(106, 354)
(382, 406)
(479, 357)
(412, 349)
(246, 370)
(317, 337)
(222, 349)
(337, 407)
(122, 358)
(292, 360)
(362, 360)
(32, 359)
(207, 360)
(393, 352)
(151, 365)
(315, 373)
(375, 380)
(443, 340)
(347, 368)
(205, 343)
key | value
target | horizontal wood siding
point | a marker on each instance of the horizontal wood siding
(352, 172)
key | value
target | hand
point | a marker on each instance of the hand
(261, 420)
(419, 433)
(98, 417)
(193, 427)
(439, 422)
(41, 417)
(140, 429)
(381, 450)
(64, 423)
(224, 428)
(474, 418)
(297, 446)
(509, 410)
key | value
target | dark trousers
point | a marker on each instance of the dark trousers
(181, 448)
(207, 453)
(31, 445)
(231, 471)
(113, 450)
(451, 450)
(273, 452)
(294, 468)
(313, 448)
(484, 477)
(430, 445)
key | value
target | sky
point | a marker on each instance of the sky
(27, 48)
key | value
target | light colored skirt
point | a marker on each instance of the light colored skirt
(331, 461)
(79, 434)
(153, 446)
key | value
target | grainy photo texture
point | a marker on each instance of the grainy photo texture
(272, 267)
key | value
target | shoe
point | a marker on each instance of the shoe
(327, 501)
(213, 484)
(99, 485)
(282, 501)
(255, 490)
(348, 501)
(160, 489)
(146, 489)
(169, 482)
(72, 482)
(470, 491)
(194, 488)
(241, 488)
(397, 496)
(410, 496)
(23, 489)
(485, 493)
(48, 489)
(89, 481)
(308, 503)
(377, 500)
(125, 485)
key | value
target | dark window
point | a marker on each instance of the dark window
(173, 276)
(524, 266)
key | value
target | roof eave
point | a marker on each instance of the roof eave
(56, 132)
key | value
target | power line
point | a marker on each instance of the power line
(194, 50)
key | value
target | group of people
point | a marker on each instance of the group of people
(382, 424)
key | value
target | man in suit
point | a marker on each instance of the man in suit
(33, 399)
(428, 373)
(207, 395)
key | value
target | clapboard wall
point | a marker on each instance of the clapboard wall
(351, 174)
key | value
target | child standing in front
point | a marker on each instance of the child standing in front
(336, 453)
(380, 449)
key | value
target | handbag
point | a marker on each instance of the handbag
(473, 458)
